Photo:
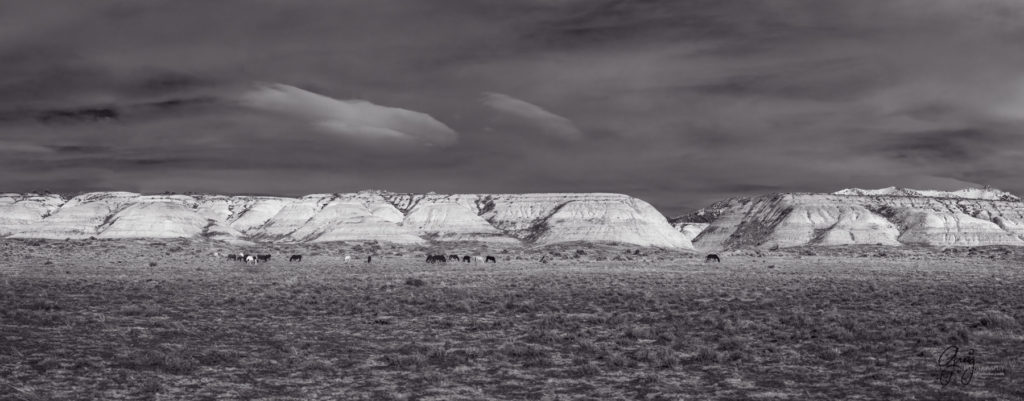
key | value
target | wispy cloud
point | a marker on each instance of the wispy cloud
(360, 121)
(23, 147)
(549, 123)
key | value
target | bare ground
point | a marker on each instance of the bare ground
(95, 320)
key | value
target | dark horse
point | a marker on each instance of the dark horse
(369, 259)
(713, 257)
(466, 259)
(453, 258)
(263, 258)
(490, 259)
(295, 258)
(436, 259)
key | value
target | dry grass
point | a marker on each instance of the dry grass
(98, 322)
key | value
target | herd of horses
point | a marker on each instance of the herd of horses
(253, 259)
(432, 259)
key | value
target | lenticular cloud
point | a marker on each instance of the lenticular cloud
(360, 121)
(550, 123)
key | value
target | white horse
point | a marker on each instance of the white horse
(250, 260)
(480, 259)
(348, 258)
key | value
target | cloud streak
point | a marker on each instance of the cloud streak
(359, 121)
(23, 147)
(549, 123)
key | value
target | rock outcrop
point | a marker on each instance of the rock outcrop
(510, 219)
(890, 216)
(80, 217)
(986, 193)
(18, 212)
(690, 230)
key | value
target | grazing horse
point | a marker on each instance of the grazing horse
(232, 257)
(436, 259)
(263, 258)
(712, 257)
(480, 259)
(490, 259)
(348, 258)
(250, 260)
(466, 259)
(453, 258)
(369, 259)
(295, 258)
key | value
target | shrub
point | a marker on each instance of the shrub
(647, 379)
(173, 363)
(408, 362)
(706, 355)
(315, 364)
(828, 353)
(215, 357)
(615, 360)
(993, 319)
(529, 355)
(150, 385)
(732, 344)
(45, 364)
(962, 336)
(584, 369)
(657, 357)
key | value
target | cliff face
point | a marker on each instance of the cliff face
(400, 218)
(18, 212)
(887, 217)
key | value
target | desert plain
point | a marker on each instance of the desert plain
(166, 319)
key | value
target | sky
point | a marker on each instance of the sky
(678, 102)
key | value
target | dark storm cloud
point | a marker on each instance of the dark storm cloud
(680, 102)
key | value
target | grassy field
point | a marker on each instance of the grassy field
(108, 320)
